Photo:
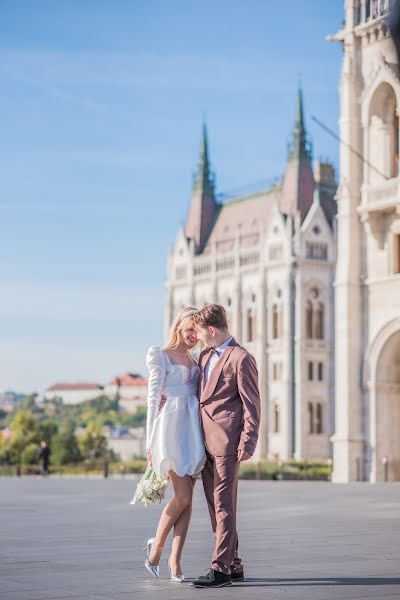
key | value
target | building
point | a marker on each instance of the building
(131, 389)
(269, 258)
(9, 401)
(367, 285)
(74, 393)
(127, 444)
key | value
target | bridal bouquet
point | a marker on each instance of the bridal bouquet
(150, 488)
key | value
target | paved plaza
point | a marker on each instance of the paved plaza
(80, 539)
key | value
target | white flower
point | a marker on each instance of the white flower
(150, 488)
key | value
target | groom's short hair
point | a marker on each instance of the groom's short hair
(212, 315)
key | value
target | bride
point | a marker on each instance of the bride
(174, 441)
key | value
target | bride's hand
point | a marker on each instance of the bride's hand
(149, 457)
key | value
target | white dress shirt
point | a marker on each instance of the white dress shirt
(215, 356)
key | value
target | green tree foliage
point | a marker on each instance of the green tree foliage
(56, 423)
(92, 443)
(65, 447)
(30, 454)
(25, 432)
(48, 428)
(136, 419)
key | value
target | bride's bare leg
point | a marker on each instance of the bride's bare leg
(176, 506)
(180, 531)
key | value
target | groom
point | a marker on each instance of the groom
(230, 416)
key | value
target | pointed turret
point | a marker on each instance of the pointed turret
(298, 184)
(203, 204)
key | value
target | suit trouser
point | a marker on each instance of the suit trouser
(220, 481)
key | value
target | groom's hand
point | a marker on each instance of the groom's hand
(242, 455)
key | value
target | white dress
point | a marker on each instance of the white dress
(174, 434)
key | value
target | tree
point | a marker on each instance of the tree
(64, 446)
(92, 443)
(48, 429)
(30, 454)
(29, 403)
(25, 431)
(137, 419)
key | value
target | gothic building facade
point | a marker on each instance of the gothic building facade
(367, 437)
(269, 257)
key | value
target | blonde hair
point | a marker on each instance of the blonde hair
(180, 323)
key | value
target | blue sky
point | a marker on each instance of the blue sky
(101, 105)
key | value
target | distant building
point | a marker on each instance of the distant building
(131, 388)
(74, 393)
(128, 444)
(9, 400)
(269, 258)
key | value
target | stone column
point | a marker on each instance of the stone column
(297, 290)
(262, 363)
(348, 441)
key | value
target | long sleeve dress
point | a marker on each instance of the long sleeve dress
(174, 433)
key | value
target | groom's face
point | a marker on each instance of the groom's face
(206, 335)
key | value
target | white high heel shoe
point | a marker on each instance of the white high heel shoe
(153, 569)
(175, 578)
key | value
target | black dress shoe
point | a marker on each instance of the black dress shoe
(239, 576)
(212, 579)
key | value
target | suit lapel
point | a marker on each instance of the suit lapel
(204, 360)
(209, 388)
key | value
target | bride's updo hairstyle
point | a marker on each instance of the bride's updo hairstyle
(184, 320)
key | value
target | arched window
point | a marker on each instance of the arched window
(280, 327)
(310, 408)
(319, 321)
(275, 319)
(309, 320)
(320, 371)
(251, 325)
(318, 419)
(314, 315)
(277, 424)
(383, 134)
(310, 370)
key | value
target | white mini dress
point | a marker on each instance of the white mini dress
(174, 433)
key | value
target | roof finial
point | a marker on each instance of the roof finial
(300, 147)
(204, 176)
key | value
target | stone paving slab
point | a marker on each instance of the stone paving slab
(80, 539)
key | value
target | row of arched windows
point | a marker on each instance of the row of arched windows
(314, 321)
(315, 424)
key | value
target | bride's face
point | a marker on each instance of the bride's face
(189, 337)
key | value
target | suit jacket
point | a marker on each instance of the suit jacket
(230, 402)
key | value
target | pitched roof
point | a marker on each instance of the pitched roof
(57, 387)
(128, 379)
(251, 212)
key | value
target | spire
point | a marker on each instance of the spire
(300, 147)
(203, 205)
(298, 183)
(204, 178)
